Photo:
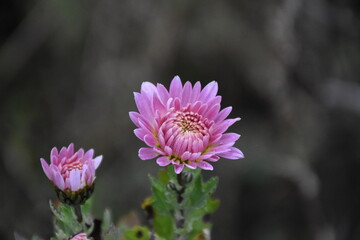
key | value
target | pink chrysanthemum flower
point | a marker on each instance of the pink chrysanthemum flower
(80, 236)
(73, 174)
(184, 126)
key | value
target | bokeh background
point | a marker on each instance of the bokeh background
(289, 68)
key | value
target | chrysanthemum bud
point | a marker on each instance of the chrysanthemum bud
(186, 178)
(73, 174)
(172, 186)
(80, 236)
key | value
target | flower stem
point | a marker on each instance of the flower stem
(179, 216)
(77, 209)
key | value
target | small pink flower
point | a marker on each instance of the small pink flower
(184, 126)
(80, 236)
(71, 171)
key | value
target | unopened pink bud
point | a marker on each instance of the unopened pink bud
(73, 174)
(80, 236)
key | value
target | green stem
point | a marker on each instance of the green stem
(77, 209)
(180, 216)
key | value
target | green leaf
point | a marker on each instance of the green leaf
(65, 222)
(137, 233)
(163, 175)
(106, 221)
(210, 186)
(194, 195)
(163, 198)
(164, 226)
(108, 229)
(212, 205)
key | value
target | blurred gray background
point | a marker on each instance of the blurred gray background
(289, 68)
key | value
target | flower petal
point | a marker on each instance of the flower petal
(150, 140)
(70, 149)
(223, 126)
(147, 153)
(89, 155)
(163, 93)
(59, 181)
(205, 165)
(234, 153)
(209, 92)
(175, 87)
(163, 161)
(196, 92)
(186, 94)
(46, 169)
(178, 168)
(97, 161)
(74, 178)
(134, 116)
(148, 89)
(223, 114)
(144, 105)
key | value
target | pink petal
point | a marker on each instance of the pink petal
(213, 159)
(148, 89)
(196, 92)
(97, 161)
(209, 92)
(54, 154)
(62, 153)
(145, 124)
(161, 138)
(205, 165)
(196, 146)
(175, 87)
(158, 105)
(234, 153)
(191, 165)
(134, 116)
(70, 149)
(177, 104)
(212, 112)
(214, 101)
(168, 150)
(141, 133)
(59, 181)
(223, 126)
(90, 173)
(159, 151)
(80, 153)
(195, 107)
(186, 94)
(195, 156)
(186, 155)
(147, 153)
(74, 179)
(163, 93)
(144, 105)
(150, 140)
(178, 168)
(229, 137)
(89, 155)
(223, 114)
(163, 161)
(46, 169)
(202, 109)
